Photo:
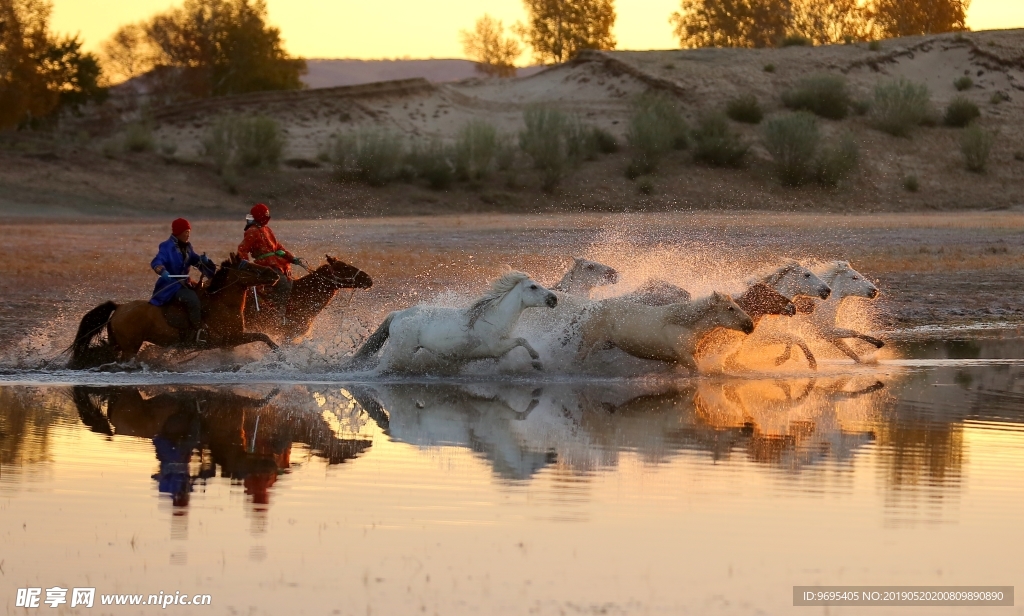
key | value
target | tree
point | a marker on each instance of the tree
(223, 47)
(910, 17)
(731, 23)
(827, 22)
(560, 29)
(488, 47)
(127, 53)
(39, 73)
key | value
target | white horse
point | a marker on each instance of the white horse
(790, 280)
(845, 282)
(584, 276)
(450, 337)
(667, 333)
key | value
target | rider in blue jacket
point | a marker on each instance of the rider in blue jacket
(176, 258)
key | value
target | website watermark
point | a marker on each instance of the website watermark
(87, 597)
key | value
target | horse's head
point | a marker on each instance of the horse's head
(533, 295)
(793, 279)
(343, 275)
(762, 299)
(848, 282)
(593, 274)
(237, 270)
(728, 314)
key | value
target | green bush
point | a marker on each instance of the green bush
(796, 40)
(900, 106)
(963, 83)
(244, 142)
(822, 95)
(792, 141)
(999, 97)
(505, 155)
(655, 127)
(645, 186)
(1018, 155)
(769, 68)
(373, 156)
(605, 141)
(860, 106)
(138, 137)
(581, 141)
(960, 112)
(715, 143)
(838, 160)
(875, 46)
(745, 109)
(545, 139)
(911, 184)
(475, 147)
(975, 145)
(433, 163)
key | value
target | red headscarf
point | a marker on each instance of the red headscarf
(179, 226)
(260, 213)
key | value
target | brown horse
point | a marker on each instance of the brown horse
(310, 295)
(131, 325)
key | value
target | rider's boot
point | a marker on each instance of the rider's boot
(195, 338)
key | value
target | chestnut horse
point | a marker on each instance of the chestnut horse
(310, 295)
(131, 325)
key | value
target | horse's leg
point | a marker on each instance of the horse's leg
(504, 346)
(249, 337)
(840, 332)
(812, 363)
(845, 348)
(781, 359)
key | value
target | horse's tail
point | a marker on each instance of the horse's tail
(375, 341)
(83, 354)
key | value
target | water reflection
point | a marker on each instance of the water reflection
(196, 432)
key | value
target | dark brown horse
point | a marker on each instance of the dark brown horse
(310, 295)
(131, 325)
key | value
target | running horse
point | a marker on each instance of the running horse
(310, 295)
(131, 325)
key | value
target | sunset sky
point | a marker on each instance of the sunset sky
(407, 28)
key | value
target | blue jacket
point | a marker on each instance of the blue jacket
(176, 264)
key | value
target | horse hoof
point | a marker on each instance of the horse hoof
(813, 365)
(781, 360)
(879, 344)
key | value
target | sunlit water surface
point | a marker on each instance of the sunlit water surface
(674, 496)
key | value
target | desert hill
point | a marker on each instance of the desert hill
(599, 87)
(331, 73)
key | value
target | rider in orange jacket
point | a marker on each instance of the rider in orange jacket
(261, 247)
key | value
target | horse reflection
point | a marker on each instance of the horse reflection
(247, 438)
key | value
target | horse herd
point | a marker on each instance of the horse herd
(657, 321)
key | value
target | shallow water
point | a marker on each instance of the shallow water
(637, 496)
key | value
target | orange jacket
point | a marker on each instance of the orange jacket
(259, 246)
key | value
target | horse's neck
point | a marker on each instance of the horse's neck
(568, 284)
(314, 291)
(826, 311)
(689, 314)
(231, 296)
(503, 315)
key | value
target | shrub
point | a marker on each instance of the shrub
(605, 141)
(792, 141)
(655, 127)
(822, 95)
(860, 106)
(963, 83)
(373, 156)
(975, 145)
(580, 140)
(745, 109)
(645, 186)
(875, 46)
(911, 184)
(796, 40)
(838, 160)
(139, 138)
(475, 147)
(433, 163)
(1018, 155)
(244, 142)
(769, 68)
(715, 143)
(960, 112)
(999, 97)
(900, 106)
(505, 155)
(547, 140)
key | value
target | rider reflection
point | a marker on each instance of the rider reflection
(174, 444)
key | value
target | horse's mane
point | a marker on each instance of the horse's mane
(777, 273)
(832, 271)
(220, 277)
(690, 312)
(499, 289)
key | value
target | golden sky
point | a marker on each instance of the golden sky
(417, 29)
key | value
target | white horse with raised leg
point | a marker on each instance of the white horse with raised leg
(426, 338)
(789, 279)
(667, 333)
(845, 282)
